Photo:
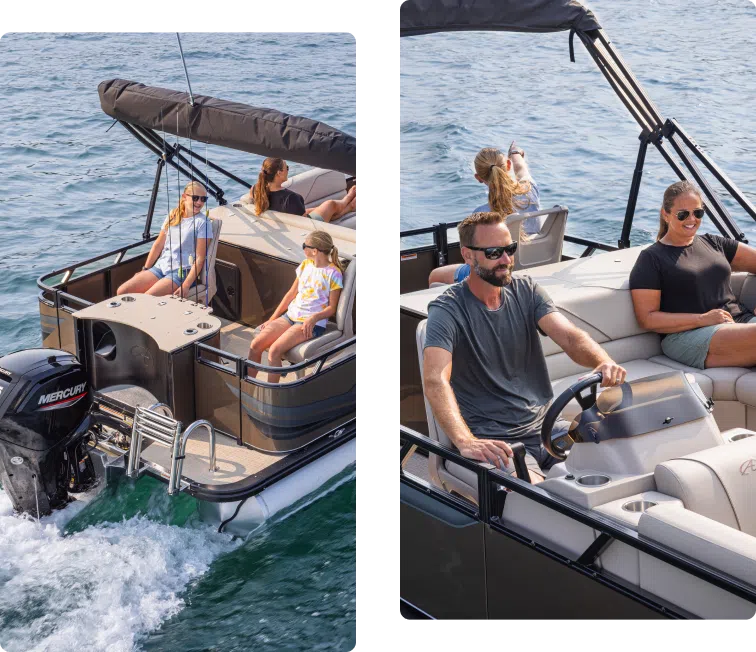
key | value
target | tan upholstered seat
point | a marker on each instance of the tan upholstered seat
(545, 247)
(719, 483)
(446, 475)
(341, 329)
(207, 279)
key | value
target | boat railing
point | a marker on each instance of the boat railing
(241, 366)
(440, 243)
(493, 485)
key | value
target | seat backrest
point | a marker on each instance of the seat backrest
(718, 483)
(435, 432)
(545, 247)
(207, 275)
(317, 185)
(345, 309)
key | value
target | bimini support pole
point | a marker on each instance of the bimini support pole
(624, 241)
(153, 199)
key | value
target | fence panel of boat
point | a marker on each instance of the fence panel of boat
(275, 417)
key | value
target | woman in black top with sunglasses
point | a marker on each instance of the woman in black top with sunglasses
(680, 287)
(268, 194)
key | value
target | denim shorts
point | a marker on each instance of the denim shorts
(174, 275)
(691, 347)
(461, 273)
(317, 331)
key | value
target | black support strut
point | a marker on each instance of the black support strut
(153, 198)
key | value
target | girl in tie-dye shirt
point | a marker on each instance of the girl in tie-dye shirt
(306, 307)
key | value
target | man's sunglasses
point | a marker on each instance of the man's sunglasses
(698, 213)
(494, 253)
(198, 198)
(322, 251)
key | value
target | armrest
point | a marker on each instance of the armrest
(714, 544)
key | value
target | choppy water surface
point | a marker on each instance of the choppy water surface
(133, 569)
(464, 91)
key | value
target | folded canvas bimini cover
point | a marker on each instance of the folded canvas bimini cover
(428, 16)
(266, 132)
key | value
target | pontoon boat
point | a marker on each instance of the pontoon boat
(652, 510)
(139, 384)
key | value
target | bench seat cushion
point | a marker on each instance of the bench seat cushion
(724, 379)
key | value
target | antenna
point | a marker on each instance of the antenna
(181, 50)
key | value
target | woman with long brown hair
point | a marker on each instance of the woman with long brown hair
(306, 307)
(511, 189)
(269, 194)
(173, 265)
(680, 287)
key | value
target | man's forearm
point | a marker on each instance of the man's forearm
(584, 350)
(446, 411)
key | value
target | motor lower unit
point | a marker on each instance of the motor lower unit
(44, 423)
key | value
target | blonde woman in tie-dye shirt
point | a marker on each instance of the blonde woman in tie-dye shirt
(304, 311)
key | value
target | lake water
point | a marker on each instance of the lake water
(133, 569)
(464, 91)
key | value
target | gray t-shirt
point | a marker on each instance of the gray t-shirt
(499, 374)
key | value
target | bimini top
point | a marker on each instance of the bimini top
(266, 132)
(428, 16)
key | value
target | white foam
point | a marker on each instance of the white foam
(101, 589)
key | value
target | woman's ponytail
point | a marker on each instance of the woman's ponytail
(260, 192)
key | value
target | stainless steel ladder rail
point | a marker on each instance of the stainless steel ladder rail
(165, 430)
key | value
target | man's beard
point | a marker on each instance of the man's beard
(489, 275)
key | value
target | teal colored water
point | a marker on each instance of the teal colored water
(132, 568)
(464, 91)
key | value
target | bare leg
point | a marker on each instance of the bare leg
(295, 335)
(733, 345)
(163, 287)
(264, 339)
(332, 209)
(443, 274)
(139, 283)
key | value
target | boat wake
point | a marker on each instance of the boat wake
(102, 587)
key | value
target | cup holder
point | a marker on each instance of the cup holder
(127, 299)
(190, 331)
(638, 505)
(114, 304)
(204, 325)
(742, 435)
(593, 480)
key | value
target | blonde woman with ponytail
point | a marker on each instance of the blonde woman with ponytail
(306, 307)
(511, 189)
(173, 265)
(681, 288)
(268, 194)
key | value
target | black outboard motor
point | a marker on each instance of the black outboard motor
(44, 401)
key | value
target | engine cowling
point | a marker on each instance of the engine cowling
(44, 403)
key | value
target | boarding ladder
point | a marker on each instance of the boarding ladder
(164, 430)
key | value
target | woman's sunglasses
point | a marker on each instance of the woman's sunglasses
(494, 253)
(198, 198)
(698, 213)
(322, 251)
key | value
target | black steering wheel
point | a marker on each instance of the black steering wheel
(559, 447)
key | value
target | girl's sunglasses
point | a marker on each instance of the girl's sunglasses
(198, 198)
(322, 251)
(698, 213)
(494, 253)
